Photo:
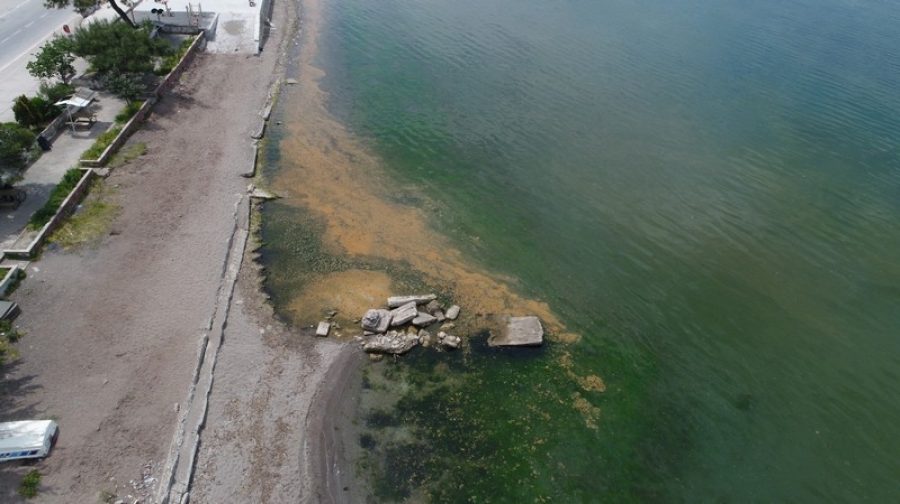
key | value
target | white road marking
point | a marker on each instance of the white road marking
(4, 40)
(29, 24)
(42, 16)
(7, 13)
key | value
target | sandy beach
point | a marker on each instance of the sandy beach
(113, 328)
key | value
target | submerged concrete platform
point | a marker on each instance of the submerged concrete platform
(520, 331)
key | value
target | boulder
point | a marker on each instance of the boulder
(376, 321)
(423, 319)
(439, 315)
(403, 314)
(520, 331)
(398, 301)
(323, 329)
(424, 338)
(392, 342)
(449, 340)
(452, 312)
(432, 306)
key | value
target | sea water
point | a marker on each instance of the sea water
(706, 192)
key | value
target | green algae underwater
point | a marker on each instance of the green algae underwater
(705, 194)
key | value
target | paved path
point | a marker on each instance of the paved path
(45, 173)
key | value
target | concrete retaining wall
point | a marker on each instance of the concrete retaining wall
(135, 122)
(65, 209)
(53, 128)
(9, 279)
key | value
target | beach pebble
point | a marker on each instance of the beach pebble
(452, 312)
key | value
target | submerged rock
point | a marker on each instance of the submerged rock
(392, 342)
(432, 306)
(520, 331)
(449, 340)
(424, 338)
(452, 312)
(376, 321)
(403, 314)
(398, 301)
(423, 319)
(323, 329)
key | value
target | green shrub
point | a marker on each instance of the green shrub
(128, 86)
(14, 144)
(128, 112)
(34, 112)
(101, 143)
(56, 92)
(168, 63)
(115, 48)
(30, 484)
(57, 196)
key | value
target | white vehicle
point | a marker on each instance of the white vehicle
(27, 439)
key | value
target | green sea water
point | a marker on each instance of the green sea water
(708, 192)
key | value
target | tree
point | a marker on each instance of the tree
(14, 144)
(83, 7)
(113, 48)
(53, 60)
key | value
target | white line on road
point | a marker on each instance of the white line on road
(29, 24)
(14, 8)
(42, 16)
(4, 40)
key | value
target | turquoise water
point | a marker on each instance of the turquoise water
(708, 192)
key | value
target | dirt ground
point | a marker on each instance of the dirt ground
(112, 330)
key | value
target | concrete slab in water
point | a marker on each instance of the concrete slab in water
(520, 331)
(397, 301)
(323, 329)
(403, 314)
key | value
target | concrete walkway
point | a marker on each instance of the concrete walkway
(42, 176)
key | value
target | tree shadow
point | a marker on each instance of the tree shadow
(13, 391)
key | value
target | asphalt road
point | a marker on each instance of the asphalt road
(24, 24)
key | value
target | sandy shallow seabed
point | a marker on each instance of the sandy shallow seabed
(338, 180)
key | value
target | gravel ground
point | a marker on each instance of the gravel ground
(112, 330)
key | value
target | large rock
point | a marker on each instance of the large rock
(452, 312)
(392, 342)
(520, 331)
(397, 301)
(423, 320)
(403, 314)
(376, 321)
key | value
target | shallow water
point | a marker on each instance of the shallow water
(708, 195)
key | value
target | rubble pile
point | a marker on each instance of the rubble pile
(402, 326)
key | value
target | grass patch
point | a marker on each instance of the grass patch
(169, 62)
(30, 484)
(8, 336)
(103, 141)
(91, 222)
(128, 112)
(127, 155)
(57, 196)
